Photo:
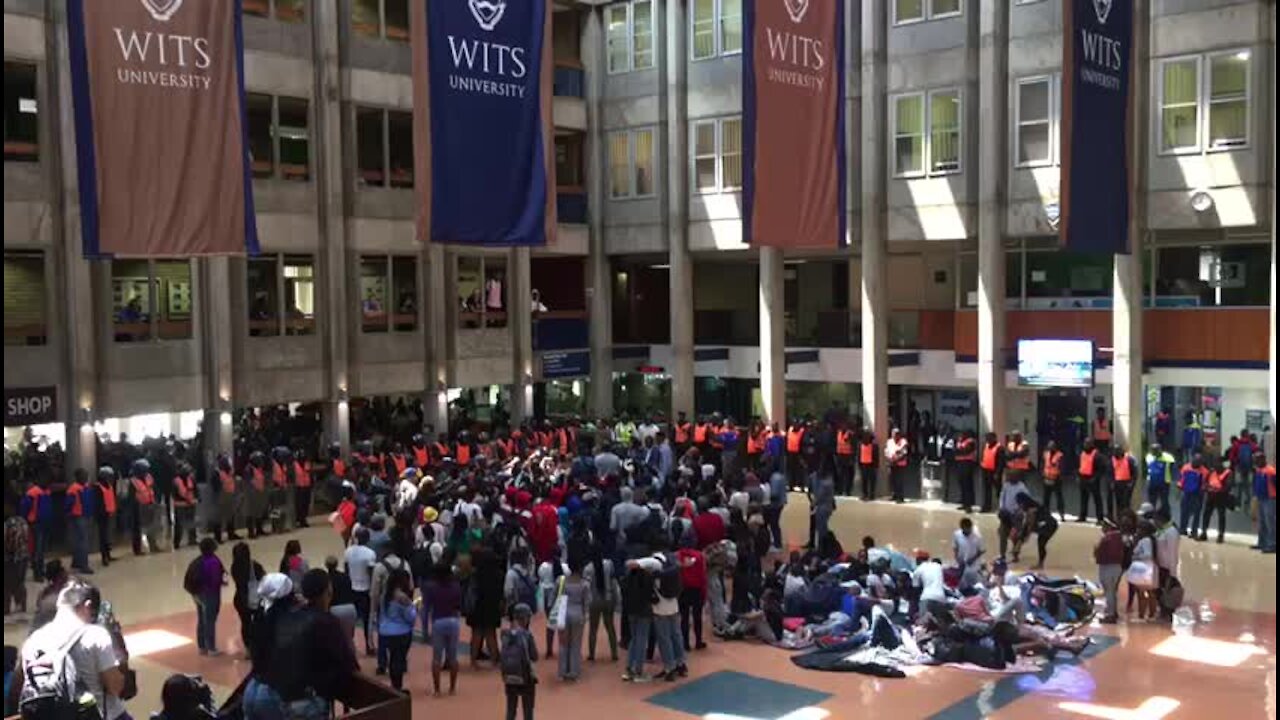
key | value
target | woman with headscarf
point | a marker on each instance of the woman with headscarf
(276, 599)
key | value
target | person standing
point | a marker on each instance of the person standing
(1109, 554)
(577, 594)
(1217, 499)
(604, 598)
(965, 458)
(693, 594)
(897, 452)
(360, 559)
(442, 602)
(1051, 473)
(302, 488)
(1124, 468)
(184, 505)
(90, 648)
(142, 500)
(665, 571)
(1191, 482)
(1010, 511)
(1088, 472)
(1160, 464)
(992, 456)
(17, 554)
(1264, 490)
(519, 653)
(245, 574)
(78, 521)
(105, 510)
(777, 502)
(1100, 431)
(396, 618)
(823, 506)
(204, 580)
(796, 475)
(967, 545)
(37, 508)
(1168, 542)
(228, 499)
(868, 453)
(845, 442)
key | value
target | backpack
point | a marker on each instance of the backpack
(191, 578)
(526, 590)
(513, 659)
(51, 687)
(669, 584)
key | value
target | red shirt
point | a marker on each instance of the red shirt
(693, 568)
(708, 528)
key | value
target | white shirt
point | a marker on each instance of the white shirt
(646, 430)
(470, 510)
(928, 577)
(360, 560)
(968, 546)
(662, 606)
(93, 655)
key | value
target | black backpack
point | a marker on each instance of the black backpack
(51, 685)
(191, 578)
(513, 658)
(669, 585)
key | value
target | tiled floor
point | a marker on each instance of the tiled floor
(1221, 667)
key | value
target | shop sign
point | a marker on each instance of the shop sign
(30, 406)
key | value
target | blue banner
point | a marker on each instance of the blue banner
(1096, 85)
(483, 75)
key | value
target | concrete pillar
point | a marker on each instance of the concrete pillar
(599, 285)
(335, 416)
(434, 395)
(520, 321)
(674, 60)
(874, 165)
(217, 331)
(1271, 374)
(773, 348)
(1127, 395)
(71, 272)
(993, 93)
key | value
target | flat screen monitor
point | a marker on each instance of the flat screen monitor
(1055, 363)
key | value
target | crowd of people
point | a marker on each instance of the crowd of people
(643, 528)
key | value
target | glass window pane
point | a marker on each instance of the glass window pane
(295, 139)
(619, 165)
(704, 24)
(1178, 127)
(373, 294)
(400, 134)
(264, 303)
(404, 282)
(173, 299)
(24, 298)
(1033, 143)
(21, 112)
(644, 162)
(369, 147)
(731, 152)
(909, 115)
(364, 17)
(397, 19)
(257, 8)
(131, 300)
(704, 138)
(1033, 101)
(1228, 123)
(299, 295)
(944, 126)
(909, 154)
(470, 292)
(1228, 75)
(1181, 82)
(945, 7)
(258, 111)
(905, 10)
(730, 25)
(642, 35)
(619, 39)
(1067, 275)
(1244, 274)
(704, 170)
(569, 161)
(290, 10)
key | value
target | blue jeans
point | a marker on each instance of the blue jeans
(639, 644)
(80, 543)
(207, 606)
(1267, 523)
(670, 643)
(262, 702)
(1189, 515)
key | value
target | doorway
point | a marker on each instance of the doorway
(1061, 415)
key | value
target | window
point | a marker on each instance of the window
(482, 298)
(716, 28)
(1037, 116)
(631, 163)
(630, 36)
(279, 137)
(25, 302)
(381, 18)
(388, 293)
(569, 169)
(21, 113)
(281, 295)
(286, 10)
(910, 11)
(1213, 275)
(1204, 102)
(384, 148)
(935, 152)
(717, 155)
(151, 299)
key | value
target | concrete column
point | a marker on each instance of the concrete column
(993, 94)
(674, 60)
(599, 286)
(520, 321)
(773, 347)
(434, 395)
(216, 336)
(73, 309)
(874, 308)
(336, 328)
(1127, 395)
(1271, 374)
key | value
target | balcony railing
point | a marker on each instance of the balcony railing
(568, 80)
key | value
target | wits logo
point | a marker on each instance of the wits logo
(797, 50)
(163, 49)
(1101, 50)
(489, 58)
(162, 10)
(487, 14)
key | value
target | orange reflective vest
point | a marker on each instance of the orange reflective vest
(401, 462)
(279, 475)
(1101, 430)
(144, 490)
(700, 433)
(794, 437)
(990, 457)
(1051, 467)
(681, 433)
(339, 468)
(1219, 481)
(441, 450)
(967, 450)
(1086, 462)
(844, 443)
(420, 457)
(866, 453)
(566, 440)
(463, 454)
(108, 498)
(1121, 469)
(34, 493)
(258, 479)
(1018, 462)
(228, 481)
(184, 491)
(74, 492)
(301, 474)
(755, 443)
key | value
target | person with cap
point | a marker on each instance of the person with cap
(184, 501)
(145, 511)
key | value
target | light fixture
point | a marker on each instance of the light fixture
(1201, 201)
(86, 414)
(225, 417)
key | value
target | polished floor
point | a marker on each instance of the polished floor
(1223, 665)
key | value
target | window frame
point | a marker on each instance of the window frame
(382, 23)
(926, 13)
(272, 12)
(153, 303)
(34, 67)
(933, 15)
(384, 119)
(631, 65)
(927, 170)
(1053, 120)
(1208, 102)
(1197, 147)
(717, 32)
(390, 301)
(631, 134)
(718, 122)
(1204, 102)
(276, 160)
(281, 317)
(46, 293)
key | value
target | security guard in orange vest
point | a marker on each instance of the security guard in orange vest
(230, 498)
(1051, 473)
(1089, 473)
(1217, 498)
(867, 454)
(1124, 471)
(755, 444)
(796, 477)
(142, 502)
(1100, 431)
(184, 505)
(301, 488)
(255, 487)
(78, 514)
(966, 459)
(421, 456)
(844, 460)
(681, 433)
(105, 509)
(991, 462)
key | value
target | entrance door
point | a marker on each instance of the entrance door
(1061, 415)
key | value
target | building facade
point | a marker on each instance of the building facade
(653, 300)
